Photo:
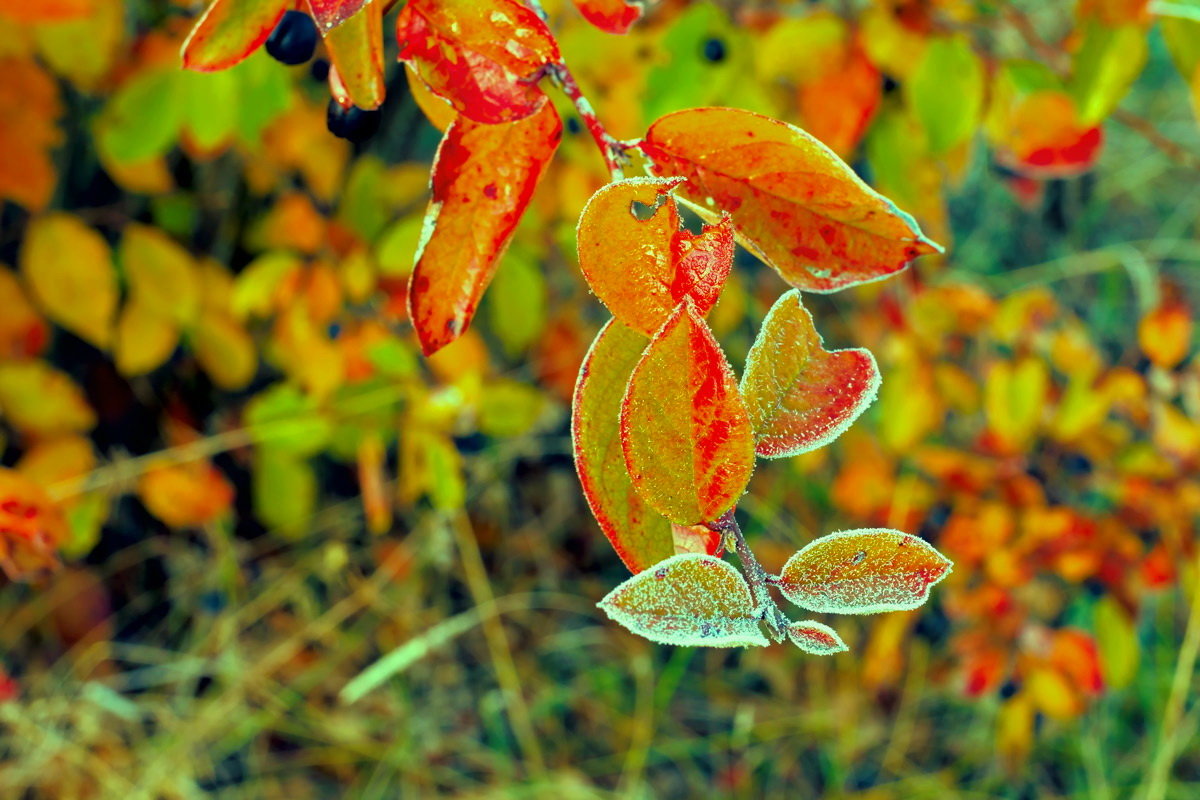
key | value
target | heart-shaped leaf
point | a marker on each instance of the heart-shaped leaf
(643, 268)
(813, 637)
(483, 56)
(684, 428)
(863, 571)
(691, 600)
(794, 203)
(229, 31)
(640, 535)
(483, 179)
(801, 396)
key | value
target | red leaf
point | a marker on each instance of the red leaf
(639, 534)
(813, 637)
(612, 16)
(328, 14)
(684, 428)
(229, 31)
(642, 269)
(483, 179)
(801, 396)
(483, 56)
(794, 203)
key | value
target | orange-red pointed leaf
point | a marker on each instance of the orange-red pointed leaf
(801, 396)
(328, 14)
(813, 637)
(483, 56)
(612, 16)
(639, 534)
(356, 50)
(863, 572)
(684, 429)
(1165, 334)
(483, 178)
(794, 203)
(229, 31)
(689, 600)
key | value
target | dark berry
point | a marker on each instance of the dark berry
(1009, 688)
(352, 123)
(889, 84)
(294, 39)
(319, 70)
(714, 50)
(573, 126)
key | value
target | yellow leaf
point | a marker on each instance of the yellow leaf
(161, 273)
(225, 350)
(185, 495)
(68, 268)
(1014, 399)
(61, 458)
(145, 338)
(38, 399)
(22, 330)
(1165, 334)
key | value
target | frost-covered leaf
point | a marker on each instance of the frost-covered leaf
(794, 203)
(684, 428)
(697, 539)
(68, 268)
(611, 16)
(691, 600)
(816, 638)
(356, 50)
(642, 269)
(863, 571)
(801, 396)
(640, 535)
(483, 179)
(483, 56)
(229, 31)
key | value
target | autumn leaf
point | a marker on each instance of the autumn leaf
(68, 268)
(225, 350)
(31, 526)
(639, 534)
(161, 274)
(483, 179)
(642, 269)
(946, 92)
(144, 338)
(801, 396)
(356, 50)
(185, 495)
(23, 332)
(1014, 400)
(41, 400)
(794, 203)
(611, 16)
(29, 108)
(229, 31)
(1165, 334)
(483, 56)
(691, 600)
(816, 638)
(684, 429)
(328, 14)
(23, 11)
(862, 572)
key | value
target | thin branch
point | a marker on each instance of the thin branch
(756, 576)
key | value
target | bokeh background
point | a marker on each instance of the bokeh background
(276, 553)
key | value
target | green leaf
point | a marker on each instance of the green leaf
(945, 92)
(1106, 64)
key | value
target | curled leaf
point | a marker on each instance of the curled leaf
(639, 534)
(690, 600)
(684, 429)
(643, 268)
(794, 203)
(356, 50)
(816, 638)
(483, 179)
(863, 571)
(483, 56)
(801, 396)
(229, 31)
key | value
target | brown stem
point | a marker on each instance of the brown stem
(756, 576)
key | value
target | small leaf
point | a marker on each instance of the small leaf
(946, 92)
(1117, 643)
(816, 638)
(697, 539)
(801, 396)
(863, 571)
(643, 269)
(483, 56)
(1165, 334)
(161, 274)
(690, 600)
(225, 350)
(69, 270)
(684, 429)
(144, 338)
(639, 534)
(186, 495)
(229, 31)
(794, 203)
(328, 14)
(38, 399)
(611, 16)
(1107, 62)
(483, 179)
(356, 50)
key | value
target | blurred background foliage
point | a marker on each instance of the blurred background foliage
(255, 546)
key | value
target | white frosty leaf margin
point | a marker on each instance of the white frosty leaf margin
(816, 638)
(691, 600)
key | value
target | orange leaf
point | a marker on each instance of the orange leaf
(31, 526)
(328, 14)
(794, 203)
(229, 31)
(838, 106)
(185, 495)
(483, 56)
(813, 637)
(29, 106)
(801, 396)
(1165, 334)
(684, 429)
(639, 534)
(863, 572)
(1046, 138)
(356, 50)
(641, 269)
(690, 600)
(611, 16)
(697, 539)
(483, 179)
(25, 11)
